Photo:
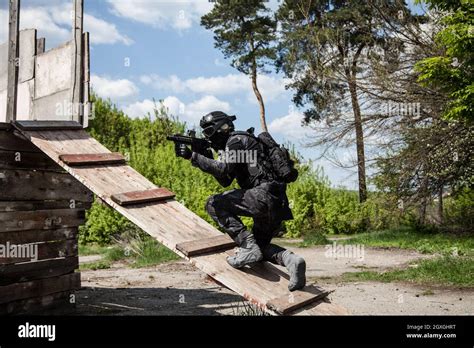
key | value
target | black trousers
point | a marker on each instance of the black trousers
(258, 203)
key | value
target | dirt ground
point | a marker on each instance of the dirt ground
(178, 288)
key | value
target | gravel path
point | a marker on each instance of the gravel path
(177, 288)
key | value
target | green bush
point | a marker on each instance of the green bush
(459, 209)
(102, 223)
(317, 208)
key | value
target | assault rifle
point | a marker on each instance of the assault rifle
(199, 145)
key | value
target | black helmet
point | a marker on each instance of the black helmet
(217, 122)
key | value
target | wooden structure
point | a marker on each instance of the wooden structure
(35, 199)
(41, 207)
(50, 85)
(176, 227)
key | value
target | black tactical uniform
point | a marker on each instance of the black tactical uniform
(261, 196)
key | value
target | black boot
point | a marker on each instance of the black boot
(248, 253)
(296, 266)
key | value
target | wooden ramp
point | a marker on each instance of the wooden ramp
(175, 226)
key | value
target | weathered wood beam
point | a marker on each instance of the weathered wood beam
(40, 220)
(43, 250)
(297, 299)
(146, 196)
(87, 105)
(57, 303)
(19, 184)
(47, 125)
(91, 159)
(206, 245)
(41, 287)
(13, 58)
(35, 236)
(37, 270)
(77, 66)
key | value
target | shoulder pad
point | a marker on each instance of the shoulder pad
(235, 140)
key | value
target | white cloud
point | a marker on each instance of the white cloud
(139, 109)
(271, 87)
(174, 105)
(170, 84)
(191, 112)
(53, 21)
(289, 126)
(195, 110)
(162, 14)
(103, 32)
(113, 89)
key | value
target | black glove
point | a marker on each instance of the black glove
(183, 151)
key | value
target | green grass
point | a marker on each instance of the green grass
(95, 265)
(408, 238)
(153, 253)
(138, 253)
(314, 239)
(91, 249)
(446, 270)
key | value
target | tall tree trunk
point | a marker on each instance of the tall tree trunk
(359, 141)
(424, 201)
(440, 206)
(263, 121)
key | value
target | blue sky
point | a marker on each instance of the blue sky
(145, 49)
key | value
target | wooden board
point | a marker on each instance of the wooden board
(206, 245)
(34, 236)
(45, 205)
(40, 219)
(297, 299)
(91, 159)
(40, 287)
(146, 196)
(43, 250)
(27, 271)
(40, 185)
(46, 125)
(12, 140)
(59, 301)
(13, 56)
(26, 160)
(171, 223)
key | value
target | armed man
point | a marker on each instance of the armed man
(262, 193)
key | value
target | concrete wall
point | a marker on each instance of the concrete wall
(44, 80)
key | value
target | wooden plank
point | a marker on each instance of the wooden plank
(41, 219)
(91, 159)
(34, 236)
(171, 223)
(45, 204)
(27, 160)
(5, 126)
(206, 245)
(297, 299)
(29, 125)
(12, 140)
(57, 303)
(42, 251)
(13, 57)
(40, 287)
(27, 271)
(19, 184)
(87, 105)
(77, 66)
(146, 196)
